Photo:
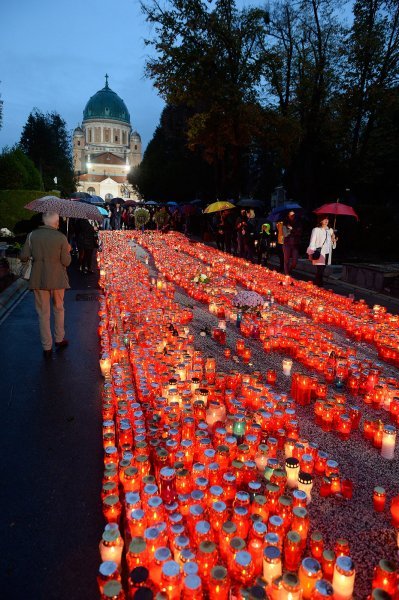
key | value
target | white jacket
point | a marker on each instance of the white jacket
(325, 239)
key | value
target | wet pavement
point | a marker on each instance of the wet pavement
(51, 466)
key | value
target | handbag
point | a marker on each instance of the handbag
(317, 252)
(26, 267)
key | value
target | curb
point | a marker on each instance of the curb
(12, 296)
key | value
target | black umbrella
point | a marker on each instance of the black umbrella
(251, 203)
(80, 195)
(116, 201)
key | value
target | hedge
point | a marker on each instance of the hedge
(12, 204)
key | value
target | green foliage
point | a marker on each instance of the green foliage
(17, 171)
(46, 141)
(12, 209)
(141, 217)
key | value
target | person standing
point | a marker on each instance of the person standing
(50, 251)
(322, 243)
(292, 231)
(86, 238)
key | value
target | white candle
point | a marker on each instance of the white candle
(388, 442)
(287, 366)
(271, 563)
(105, 365)
(292, 470)
(216, 412)
(343, 578)
(111, 547)
(305, 484)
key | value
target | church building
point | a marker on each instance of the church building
(105, 148)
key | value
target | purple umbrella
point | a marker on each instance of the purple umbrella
(65, 208)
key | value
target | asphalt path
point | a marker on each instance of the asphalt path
(51, 465)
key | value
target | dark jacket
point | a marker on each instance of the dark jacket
(86, 237)
(51, 256)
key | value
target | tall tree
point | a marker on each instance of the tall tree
(46, 141)
(207, 59)
(17, 171)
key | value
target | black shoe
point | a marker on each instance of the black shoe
(61, 345)
(47, 353)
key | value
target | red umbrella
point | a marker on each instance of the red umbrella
(336, 208)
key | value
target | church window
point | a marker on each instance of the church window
(91, 191)
(78, 142)
(89, 135)
(107, 132)
(135, 146)
(123, 137)
(97, 135)
(116, 138)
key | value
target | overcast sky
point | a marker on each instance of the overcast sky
(54, 55)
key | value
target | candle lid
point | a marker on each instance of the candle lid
(243, 558)
(170, 568)
(272, 539)
(387, 565)
(137, 514)
(390, 429)
(285, 501)
(151, 533)
(260, 499)
(260, 527)
(316, 536)
(216, 490)
(219, 506)
(291, 462)
(311, 566)
(290, 580)
(112, 589)
(294, 537)
(219, 573)
(190, 568)
(328, 555)
(271, 553)
(324, 588)
(108, 568)
(379, 594)
(207, 547)
(139, 575)
(299, 495)
(150, 489)
(137, 545)
(155, 502)
(229, 527)
(237, 544)
(192, 582)
(162, 554)
(276, 521)
(202, 527)
(242, 496)
(305, 478)
(380, 491)
(345, 564)
(300, 511)
(111, 500)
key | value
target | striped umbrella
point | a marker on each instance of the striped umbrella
(65, 208)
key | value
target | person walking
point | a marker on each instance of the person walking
(292, 231)
(50, 251)
(322, 243)
(263, 242)
(87, 241)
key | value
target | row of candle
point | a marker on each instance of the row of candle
(138, 372)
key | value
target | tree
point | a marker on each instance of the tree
(169, 170)
(206, 59)
(46, 141)
(17, 171)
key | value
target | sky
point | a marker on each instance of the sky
(54, 56)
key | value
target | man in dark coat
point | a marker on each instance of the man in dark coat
(50, 252)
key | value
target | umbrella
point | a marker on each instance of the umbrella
(218, 206)
(251, 203)
(92, 199)
(151, 203)
(336, 208)
(281, 211)
(65, 208)
(78, 195)
(197, 201)
(102, 211)
(116, 201)
(132, 203)
(172, 204)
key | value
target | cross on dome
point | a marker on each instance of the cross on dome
(106, 80)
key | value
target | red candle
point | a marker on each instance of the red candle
(395, 511)
(379, 499)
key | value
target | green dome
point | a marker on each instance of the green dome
(106, 104)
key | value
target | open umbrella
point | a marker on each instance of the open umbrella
(102, 211)
(116, 201)
(336, 208)
(77, 195)
(251, 203)
(279, 212)
(172, 204)
(65, 208)
(218, 206)
(151, 203)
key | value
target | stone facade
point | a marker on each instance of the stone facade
(105, 148)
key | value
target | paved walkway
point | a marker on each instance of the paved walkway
(51, 465)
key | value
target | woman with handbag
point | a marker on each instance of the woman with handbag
(322, 243)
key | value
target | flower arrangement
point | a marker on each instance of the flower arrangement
(248, 301)
(201, 278)
(141, 217)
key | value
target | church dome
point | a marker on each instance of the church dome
(106, 104)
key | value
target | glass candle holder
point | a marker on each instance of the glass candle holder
(385, 577)
(292, 470)
(388, 442)
(271, 563)
(379, 499)
(309, 572)
(343, 578)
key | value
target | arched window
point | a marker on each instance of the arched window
(78, 142)
(91, 191)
